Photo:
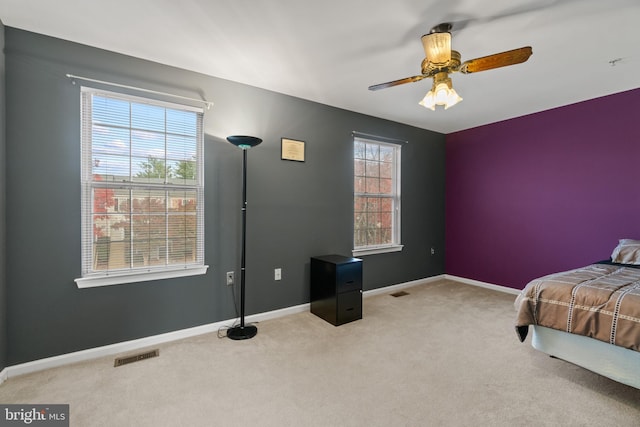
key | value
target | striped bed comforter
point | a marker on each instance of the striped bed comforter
(600, 301)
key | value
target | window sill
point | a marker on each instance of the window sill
(377, 250)
(142, 276)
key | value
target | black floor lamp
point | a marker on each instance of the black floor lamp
(242, 332)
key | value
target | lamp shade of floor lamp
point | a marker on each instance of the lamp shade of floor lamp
(242, 331)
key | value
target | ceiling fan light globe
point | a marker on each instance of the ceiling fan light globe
(452, 99)
(442, 94)
(437, 47)
(429, 101)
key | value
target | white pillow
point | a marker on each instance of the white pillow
(627, 252)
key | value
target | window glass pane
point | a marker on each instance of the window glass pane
(158, 244)
(373, 236)
(121, 198)
(386, 154)
(177, 237)
(148, 236)
(386, 170)
(385, 186)
(109, 240)
(148, 201)
(372, 169)
(385, 219)
(385, 236)
(149, 170)
(110, 168)
(109, 111)
(373, 219)
(359, 168)
(182, 172)
(373, 204)
(147, 144)
(103, 200)
(372, 152)
(183, 201)
(148, 117)
(157, 201)
(359, 150)
(181, 147)
(182, 237)
(181, 122)
(108, 140)
(372, 185)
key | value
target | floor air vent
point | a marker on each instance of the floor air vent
(135, 358)
(399, 294)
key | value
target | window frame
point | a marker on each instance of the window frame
(396, 240)
(91, 277)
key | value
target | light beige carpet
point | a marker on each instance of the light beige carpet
(425, 359)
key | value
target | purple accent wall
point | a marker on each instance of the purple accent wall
(543, 193)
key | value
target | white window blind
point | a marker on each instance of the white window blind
(142, 188)
(376, 208)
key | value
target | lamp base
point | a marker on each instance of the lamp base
(242, 332)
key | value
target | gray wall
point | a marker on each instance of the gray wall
(3, 277)
(296, 210)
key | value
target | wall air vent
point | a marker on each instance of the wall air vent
(399, 294)
(135, 358)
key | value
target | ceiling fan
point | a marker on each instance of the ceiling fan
(440, 61)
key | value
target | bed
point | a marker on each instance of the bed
(589, 316)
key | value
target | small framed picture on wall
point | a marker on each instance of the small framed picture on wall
(292, 150)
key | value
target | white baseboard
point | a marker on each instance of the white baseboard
(128, 346)
(399, 286)
(482, 284)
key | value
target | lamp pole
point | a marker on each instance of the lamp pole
(242, 332)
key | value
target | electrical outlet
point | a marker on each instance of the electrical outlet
(277, 274)
(433, 251)
(230, 278)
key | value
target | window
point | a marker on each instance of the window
(142, 189)
(376, 197)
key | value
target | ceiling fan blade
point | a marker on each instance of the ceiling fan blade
(510, 57)
(460, 21)
(397, 82)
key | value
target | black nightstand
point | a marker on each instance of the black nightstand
(336, 288)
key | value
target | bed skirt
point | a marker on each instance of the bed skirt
(618, 363)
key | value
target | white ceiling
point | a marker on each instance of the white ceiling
(330, 51)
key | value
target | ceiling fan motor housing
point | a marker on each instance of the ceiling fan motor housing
(430, 69)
